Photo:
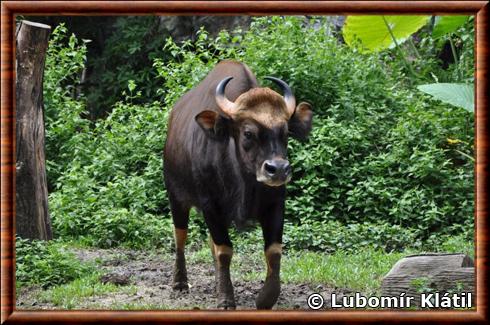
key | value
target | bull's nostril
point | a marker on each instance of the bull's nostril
(270, 168)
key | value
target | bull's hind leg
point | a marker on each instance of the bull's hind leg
(215, 262)
(180, 216)
(180, 271)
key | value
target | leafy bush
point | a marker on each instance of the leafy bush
(64, 108)
(127, 55)
(433, 60)
(46, 263)
(383, 166)
(330, 236)
(112, 191)
(377, 152)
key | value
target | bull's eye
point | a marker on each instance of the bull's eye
(248, 135)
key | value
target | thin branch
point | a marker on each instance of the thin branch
(455, 57)
(465, 154)
(407, 64)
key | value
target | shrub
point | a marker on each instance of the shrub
(378, 151)
(383, 166)
(46, 263)
(128, 54)
(112, 192)
(64, 108)
(330, 236)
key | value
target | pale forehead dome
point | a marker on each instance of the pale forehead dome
(263, 105)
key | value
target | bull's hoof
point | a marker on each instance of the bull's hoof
(227, 304)
(180, 286)
(269, 294)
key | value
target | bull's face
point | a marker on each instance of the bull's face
(260, 122)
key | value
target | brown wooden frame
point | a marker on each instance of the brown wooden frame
(11, 8)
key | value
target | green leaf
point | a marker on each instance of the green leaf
(448, 24)
(131, 85)
(373, 33)
(461, 95)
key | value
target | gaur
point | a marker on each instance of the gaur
(226, 155)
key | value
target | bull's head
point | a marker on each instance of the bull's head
(259, 121)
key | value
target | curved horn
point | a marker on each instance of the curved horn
(288, 94)
(228, 107)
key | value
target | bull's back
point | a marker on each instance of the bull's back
(202, 97)
(185, 139)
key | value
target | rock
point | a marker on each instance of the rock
(207, 290)
(431, 272)
(116, 278)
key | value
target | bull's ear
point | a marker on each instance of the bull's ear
(213, 124)
(300, 122)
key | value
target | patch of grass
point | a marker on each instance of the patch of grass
(117, 256)
(247, 259)
(201, 255)
(458, 244)
(362, 271)
(137, 306)
(47, 263)
(72, 295)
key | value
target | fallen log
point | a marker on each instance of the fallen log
(432, 272)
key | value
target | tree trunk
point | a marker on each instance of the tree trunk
(32, 217)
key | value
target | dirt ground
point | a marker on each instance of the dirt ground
(151, 276)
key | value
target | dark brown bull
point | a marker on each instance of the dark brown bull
(226, 156)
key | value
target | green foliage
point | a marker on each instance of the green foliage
(460, 95)
(350, 238)
(191, 61)
(72, 295)
(362, 271)
(383, 166)
(421, 285)
(128, 55)
(46, 264)
(377, 153)
(441, 51)
(64, 108)
(377, 33)
(112, 192)
(448, 24)
(464, 242)
(461, 43)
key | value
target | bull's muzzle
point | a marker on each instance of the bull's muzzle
(274, 172)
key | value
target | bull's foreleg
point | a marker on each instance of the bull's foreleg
(226, 297)
(269, 294)
(222, 251)
(272, 230)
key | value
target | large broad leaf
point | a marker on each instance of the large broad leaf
(461, 95)
(448, 24)
(373, 33)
